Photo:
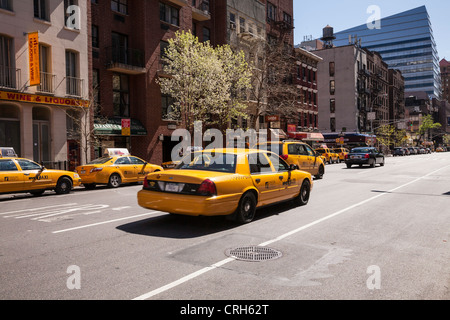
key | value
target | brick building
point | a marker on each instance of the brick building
(127, 41)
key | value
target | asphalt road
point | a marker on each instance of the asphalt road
(372, 234)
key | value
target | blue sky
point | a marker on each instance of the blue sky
(312, 17)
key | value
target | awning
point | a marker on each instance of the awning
(113, 127)
(278, 133)
(307, 136)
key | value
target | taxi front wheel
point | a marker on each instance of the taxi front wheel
(114, 181)
(63, 186)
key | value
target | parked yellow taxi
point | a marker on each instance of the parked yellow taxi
(341, 152)
(328, 154)
(115, 168)
(298, 153)
(19, 175)
(225, 182)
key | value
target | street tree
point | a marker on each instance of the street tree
(203, 81)
(427, 126)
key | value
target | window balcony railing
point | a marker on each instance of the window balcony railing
(9, 77)
(74, 86)
(126, 60)
(48, 83)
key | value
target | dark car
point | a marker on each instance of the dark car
(398, 152)
(364, 155)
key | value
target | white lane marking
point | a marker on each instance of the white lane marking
(225, 261)
(105, 222)
(37, 209)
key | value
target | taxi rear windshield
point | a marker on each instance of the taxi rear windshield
(217, 162)
(360, 150)
(100, 160)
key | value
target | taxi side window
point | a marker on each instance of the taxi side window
(309, 151)
(135, 160)
(294, 149)
(123, 160)
(258, 163)
(8, 165)
(28, 165)
(279, 164)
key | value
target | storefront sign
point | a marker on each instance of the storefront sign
(33, 55)
(38, 99)
(272, 118)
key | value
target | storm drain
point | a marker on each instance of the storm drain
(253, 253)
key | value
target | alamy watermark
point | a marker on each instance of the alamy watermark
(74, 280)
(374, 20)
(374, 280)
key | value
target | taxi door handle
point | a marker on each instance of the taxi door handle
(281, 177)
(26, 174)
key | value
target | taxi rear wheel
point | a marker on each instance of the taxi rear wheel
(320, 173)
(114, 181)
(63, 186)
(246, 210)
(303, 197)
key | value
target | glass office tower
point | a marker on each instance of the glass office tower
(405, 41)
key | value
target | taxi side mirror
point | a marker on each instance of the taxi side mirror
(293, 167)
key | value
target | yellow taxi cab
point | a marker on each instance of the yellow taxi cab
(330, 156)
(439, 149)
(18, 175)
(115, 168)
(297, 153)
(341, 152)
(225, 182)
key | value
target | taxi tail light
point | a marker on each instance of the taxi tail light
(207, 188)
(145, 183)
(284, 157)
(346, 156)
(366, 156)
(96, 169)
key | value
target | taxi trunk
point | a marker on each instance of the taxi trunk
(190, 192)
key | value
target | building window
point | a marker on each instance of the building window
(119, 48)
(120, 6)
(7, 63)
(332, 105)
(332, 69)
(242, 27)
(287, 18)
(41, 10)
(6, 5)
(333, 124)
(168, 109)
(169, 14)
(332, 87)
(121, 95)
(73, 83)
(271, 11)
(95, 39)
(206, 34)
(47, 79)
(232, 21)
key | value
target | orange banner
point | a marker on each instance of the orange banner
(33, 54)
(38, 99)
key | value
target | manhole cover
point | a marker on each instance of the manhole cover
(253, 253)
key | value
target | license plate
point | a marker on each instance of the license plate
(355, 157)
(83, 172)
(172, 187)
